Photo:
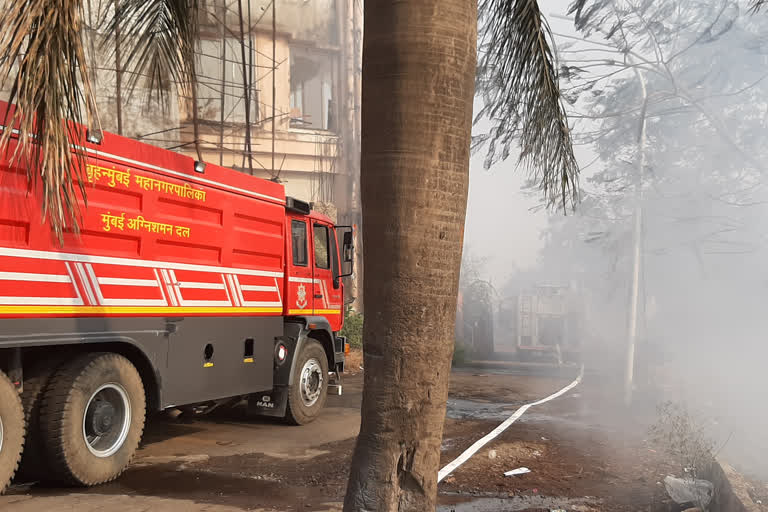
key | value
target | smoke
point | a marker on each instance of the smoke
(702, 174)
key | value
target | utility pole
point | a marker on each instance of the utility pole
(274, 83)
(629, 370)
(222, 34)
(248, 153)
(637, 252)
(637, 236)
(118, 71)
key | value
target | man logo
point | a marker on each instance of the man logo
(266, 402)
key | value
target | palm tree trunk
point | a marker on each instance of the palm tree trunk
(418, 87)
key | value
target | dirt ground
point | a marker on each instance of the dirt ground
(581, 455)
(575, 462)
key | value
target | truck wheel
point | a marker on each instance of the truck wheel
(11, 431)
(33, 461)
(92, 415)
(309, 386)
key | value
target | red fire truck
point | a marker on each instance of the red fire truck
(185, 284)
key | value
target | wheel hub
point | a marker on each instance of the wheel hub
(101, 417)
(311, 382)
(107, 420)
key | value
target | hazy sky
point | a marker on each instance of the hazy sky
(499, 225)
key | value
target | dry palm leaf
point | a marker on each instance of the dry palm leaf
(43, 62)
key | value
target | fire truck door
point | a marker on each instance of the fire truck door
(327, 288)
(299, 291)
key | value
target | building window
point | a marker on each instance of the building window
(321, 247)
(312, 101)
(299, 242)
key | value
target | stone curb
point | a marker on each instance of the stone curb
(730, 489)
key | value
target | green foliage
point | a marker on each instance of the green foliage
(459, 355)
(353, 329)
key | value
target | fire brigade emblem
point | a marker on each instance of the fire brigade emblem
(301, 297)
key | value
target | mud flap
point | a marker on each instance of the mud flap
(269, 403)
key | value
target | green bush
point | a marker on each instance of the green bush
(459, 355)
(353, 329)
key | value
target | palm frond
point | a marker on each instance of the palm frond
(162, 35)
(518, 81)
(756, 5)
(591, 15)
(43, 61)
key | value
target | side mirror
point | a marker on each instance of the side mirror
(348, 248)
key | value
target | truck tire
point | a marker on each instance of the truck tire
(33, 461)
(92, 415)
(11, 431)
(309, 385)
